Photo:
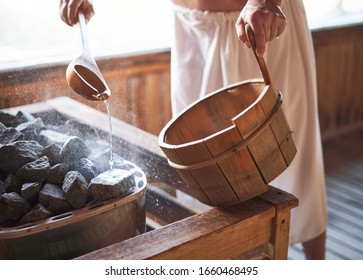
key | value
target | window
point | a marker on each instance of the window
(330, 13)
(32, 32)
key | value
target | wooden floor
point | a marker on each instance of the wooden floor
(344, 179)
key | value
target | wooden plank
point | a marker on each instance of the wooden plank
(345, 185)
(263, 148)
(281, 222)
(284, 138)
(342, 238)
(341, 225)
(279, 198)
(210, 178)
(343, 46)
(339, 211)
(240, 169)
(342, 251)
(280, 235)
(193, 236)
(262, 252)
(349, 205)
(192, 186)
(346, 196)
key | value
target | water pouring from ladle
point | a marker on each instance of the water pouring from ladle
(83, 75)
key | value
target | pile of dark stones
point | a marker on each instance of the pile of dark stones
(48, 169)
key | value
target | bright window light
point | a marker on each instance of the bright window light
(31, 32)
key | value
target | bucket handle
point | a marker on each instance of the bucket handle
(260, 60)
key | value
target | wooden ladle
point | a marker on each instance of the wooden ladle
(83, 74)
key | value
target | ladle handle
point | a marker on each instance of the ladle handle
(82, 26)
(261, 62)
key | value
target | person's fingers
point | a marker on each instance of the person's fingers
(241, 33)
(267, 30)
(69, 10)
(280, 29)
(260, 39)
(88, 11)
(276, 30)
(63, 11)
(273, 33)
(279, 24)
(73, 9)
(267, 22)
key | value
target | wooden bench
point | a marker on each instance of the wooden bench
(256, 229)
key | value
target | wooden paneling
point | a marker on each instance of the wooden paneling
(339, 57)
(139, 85)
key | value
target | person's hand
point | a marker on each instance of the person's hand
(69, 9)
(266, 20)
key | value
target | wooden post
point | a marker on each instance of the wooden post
(283, 203)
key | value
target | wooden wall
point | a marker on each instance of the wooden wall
(140, 84)
(339, 62)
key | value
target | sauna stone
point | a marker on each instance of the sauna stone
(87, 168)
(48, 137)
(75, 189)
(30, 191)
(13, 183)
(36, 171)
(57, 172)
(2, 188)
(10, 120)
(20, 153)
(31, 128)
(13, 206)
(52, 152)
(24, 117)
(112, 183)
(9, 135)
(52, 197)
(81, 130)
(101, 160)
(2, 175)
(48, 164)
(74, 149)
(2, 127)
(37, 213)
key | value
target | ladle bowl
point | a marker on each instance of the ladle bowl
(83, 74)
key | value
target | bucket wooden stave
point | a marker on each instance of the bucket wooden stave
(229, 145)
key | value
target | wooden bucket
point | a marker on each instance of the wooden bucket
(229, 145)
